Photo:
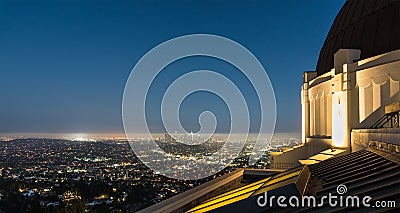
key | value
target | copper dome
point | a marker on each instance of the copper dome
(373, 26)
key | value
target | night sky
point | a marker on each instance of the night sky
(64, 64)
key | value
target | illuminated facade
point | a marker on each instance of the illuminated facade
(357, 74)
(352, 95)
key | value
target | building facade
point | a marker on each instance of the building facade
(356, 77)
(352, 95)
(357, 73)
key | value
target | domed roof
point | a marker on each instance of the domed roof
(373, 26)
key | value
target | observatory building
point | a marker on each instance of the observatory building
(353, 96)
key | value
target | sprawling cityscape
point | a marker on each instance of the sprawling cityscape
(199, 106)
(96, 175)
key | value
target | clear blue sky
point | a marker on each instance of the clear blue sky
(64, 64)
